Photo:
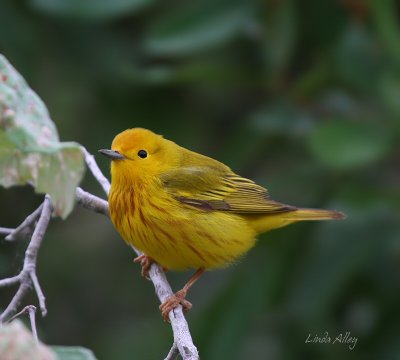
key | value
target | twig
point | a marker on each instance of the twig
(39, 293)
(6, 231)
(173, 353)
(91, 202)
(10, 281)
(95, 170)
(180, 328)
(26, 226)
(27, 277)
(32, 318)
(31, 310)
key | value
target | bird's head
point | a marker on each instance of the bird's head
(138, 153)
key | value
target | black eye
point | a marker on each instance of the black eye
(142, 154)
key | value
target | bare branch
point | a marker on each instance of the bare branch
(180, 328)
(16, 300)
(91, 202)
(173, 353)
(39, 293)
(25, 228)
(31, 311)
(10, 281)
(32, 318)
(6, 231)
(95, 170)
(28, 276)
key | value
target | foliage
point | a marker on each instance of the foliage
(301, 96)
(17, 343)
(30, 150)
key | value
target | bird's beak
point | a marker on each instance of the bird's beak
(111, 154)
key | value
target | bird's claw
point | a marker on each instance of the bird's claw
(172, 302)
(145, 262)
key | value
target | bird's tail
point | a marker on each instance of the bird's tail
(273, 221)
(313, 214)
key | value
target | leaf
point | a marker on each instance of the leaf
(90, 9)
(73, 353)
(30, 150)
(17, 342)
(196, 26)
(345, 144)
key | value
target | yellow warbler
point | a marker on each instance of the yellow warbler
(186, 210)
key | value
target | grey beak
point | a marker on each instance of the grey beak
(111, 154)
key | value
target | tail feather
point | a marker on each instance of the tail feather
(313, 214)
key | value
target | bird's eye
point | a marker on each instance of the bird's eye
(142, 154)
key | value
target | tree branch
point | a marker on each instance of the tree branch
(31, 311)
(173, 353)
(26, 227)
(180, 328)
(27, 277)
(95, 170)
(6, 231)
(91, 202)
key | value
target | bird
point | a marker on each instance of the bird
(184, 210)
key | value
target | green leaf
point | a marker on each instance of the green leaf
(73, 353)
(30, 150)
(90, 9)
(345, 144)
(196, 26)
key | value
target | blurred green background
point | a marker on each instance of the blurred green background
(302, 96)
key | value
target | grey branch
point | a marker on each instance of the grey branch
(10, 281)
(25, 228)
(91, 202)
(32, 319)
(182, 337)
(31, 311)
(6, 231)
(173, 353)
(27, 277)
(95, 170)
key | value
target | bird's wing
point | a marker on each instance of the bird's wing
(215, 188)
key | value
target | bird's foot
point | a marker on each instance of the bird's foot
(145, 262)
(172, 302)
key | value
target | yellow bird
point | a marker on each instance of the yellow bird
(186, 210)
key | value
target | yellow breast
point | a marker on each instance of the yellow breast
(175, 235)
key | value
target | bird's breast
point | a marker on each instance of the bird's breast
(176, 235)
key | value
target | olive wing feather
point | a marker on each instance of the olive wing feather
(216, 188)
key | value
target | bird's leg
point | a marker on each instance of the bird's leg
(179, 297)
(145, 261)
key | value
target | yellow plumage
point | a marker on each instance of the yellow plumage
(186, 210)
